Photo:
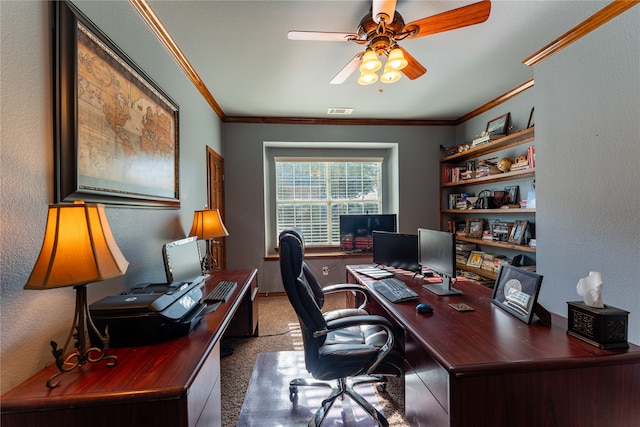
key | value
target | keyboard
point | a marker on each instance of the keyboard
(221, 292)
(395, 290)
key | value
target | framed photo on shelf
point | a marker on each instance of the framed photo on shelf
(513, 193)
(516, 291)
(498, 126)
(475, 227)
(518, 232)
(115, 130)
(475, 259)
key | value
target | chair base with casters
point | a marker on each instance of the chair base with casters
(342, 389)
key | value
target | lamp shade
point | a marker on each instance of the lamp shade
(370, 62)
(390, 75)
(396, 60)
(78, 248)
(367, 78)
(207, 224)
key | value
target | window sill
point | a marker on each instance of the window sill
(324, 254)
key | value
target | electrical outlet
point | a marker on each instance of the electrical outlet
(325, 271)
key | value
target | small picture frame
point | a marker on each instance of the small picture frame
(516, 291)
(475, 259)
(475, 227)
(532, 121)
(513, 194)
(498, 126)
(518, 232)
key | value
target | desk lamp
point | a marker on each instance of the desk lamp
(78, 248)
(207, 225)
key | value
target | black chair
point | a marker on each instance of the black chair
(319, 292)
(351, 350)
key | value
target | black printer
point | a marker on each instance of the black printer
(150, 313)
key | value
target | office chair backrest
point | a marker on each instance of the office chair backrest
(318, 293)
(301, 294)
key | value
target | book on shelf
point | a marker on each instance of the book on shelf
(485, 139)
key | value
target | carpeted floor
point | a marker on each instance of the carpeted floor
(279, 331)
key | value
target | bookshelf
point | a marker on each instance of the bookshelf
(452, 183)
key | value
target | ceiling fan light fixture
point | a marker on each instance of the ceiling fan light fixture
(370, 62)
(367, 78)
(396, 60)
(390, 75)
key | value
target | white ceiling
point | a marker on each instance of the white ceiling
(241, 52)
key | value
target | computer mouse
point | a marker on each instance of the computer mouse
(424, 308)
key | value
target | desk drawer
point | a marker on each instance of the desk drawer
(434, 377)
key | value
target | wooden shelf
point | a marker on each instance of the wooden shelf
(480, 212)
(479, 271)
(496, 244)
(506, 176)
(513, 140)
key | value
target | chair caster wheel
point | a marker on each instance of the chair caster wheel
(293, 394)
(381, 387)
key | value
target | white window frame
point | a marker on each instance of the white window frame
(390, 177)
(323, 230)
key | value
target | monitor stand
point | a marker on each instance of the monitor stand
(443, 288)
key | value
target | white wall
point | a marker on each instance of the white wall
(30, 319)
(587, 101)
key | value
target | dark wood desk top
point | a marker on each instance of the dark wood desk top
(488, 338)
(156, 372)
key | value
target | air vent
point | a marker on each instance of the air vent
(340, 111)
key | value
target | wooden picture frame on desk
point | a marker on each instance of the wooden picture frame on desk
(516, 292)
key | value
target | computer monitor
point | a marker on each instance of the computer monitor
(437, 252)
(356, 230)
(182, 261)
(396, 250)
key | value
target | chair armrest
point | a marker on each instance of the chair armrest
(346, 287)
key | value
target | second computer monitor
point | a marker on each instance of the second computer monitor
(437, 252)
(396, 250)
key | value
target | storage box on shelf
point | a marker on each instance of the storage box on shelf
(465, 174)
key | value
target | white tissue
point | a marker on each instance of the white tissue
(590, 289)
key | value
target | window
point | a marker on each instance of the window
(312, 194)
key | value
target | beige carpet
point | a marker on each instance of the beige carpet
(279, 331)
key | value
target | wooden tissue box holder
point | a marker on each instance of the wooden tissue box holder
(602, 327)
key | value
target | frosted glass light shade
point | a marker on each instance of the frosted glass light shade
(396, 60)
(370, 62)
(390, 75)
(367, 78)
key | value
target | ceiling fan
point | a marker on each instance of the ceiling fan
(382, 28)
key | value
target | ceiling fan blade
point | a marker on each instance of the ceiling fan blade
(347, 70)
(457, 18)
(320, 36)
(383, 7)
(414, 69)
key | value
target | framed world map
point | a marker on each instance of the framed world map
(116, 135)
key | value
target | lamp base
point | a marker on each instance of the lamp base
(82, 355)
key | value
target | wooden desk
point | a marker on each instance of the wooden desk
(175, 383)
(488, 368)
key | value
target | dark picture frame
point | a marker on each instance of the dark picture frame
(115, 130)
(475, 226)
(516, 292)
(513, 193)
(532, 122)
(498, 126)
(518, 232)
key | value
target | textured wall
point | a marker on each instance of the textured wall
(29, 319)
